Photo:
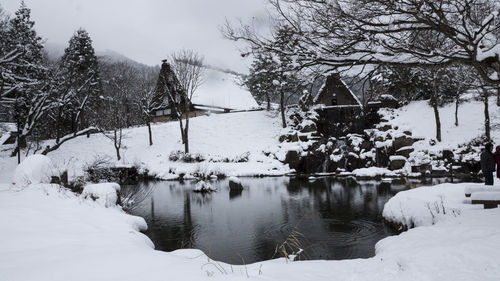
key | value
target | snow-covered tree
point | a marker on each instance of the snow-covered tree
(339, 34)
(27, 89)
(81, 80)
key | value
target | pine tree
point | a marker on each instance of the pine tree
(81, 78)
(28, 96)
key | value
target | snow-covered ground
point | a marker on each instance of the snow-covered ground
(223, 90)
(49, 233)
(222, 139)
(418, 117)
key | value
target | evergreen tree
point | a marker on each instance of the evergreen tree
(81, 84)
(28, 96)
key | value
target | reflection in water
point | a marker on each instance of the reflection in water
(338, 219)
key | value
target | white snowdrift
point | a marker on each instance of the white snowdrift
(33, 170)
(426, 206)
(105, 194)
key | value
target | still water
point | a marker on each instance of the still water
(330, 218)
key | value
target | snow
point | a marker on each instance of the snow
(105, 194)
(397, 157)
(372, 172)
(222, 139)
(479, 188)
(486, 196)
(51, 234)
(425, 206)
(418, 117)
(32, 170)
(222, 89)
(235, 180)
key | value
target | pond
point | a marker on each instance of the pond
(326, 217)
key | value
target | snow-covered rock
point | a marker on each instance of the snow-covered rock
(105, 194)
(33, 170)
(235, 183)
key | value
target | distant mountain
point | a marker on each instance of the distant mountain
(55, 51)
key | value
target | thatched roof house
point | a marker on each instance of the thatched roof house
(336, 93)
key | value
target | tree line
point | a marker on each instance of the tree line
(79, 93)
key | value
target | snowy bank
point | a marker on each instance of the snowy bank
(49, 233)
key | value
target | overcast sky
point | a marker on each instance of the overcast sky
(146, 30)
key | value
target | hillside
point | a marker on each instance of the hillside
(230, 144)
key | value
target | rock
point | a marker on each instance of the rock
(294, 137)
(303, 137)
(405, 151)
(366, 145)
(235, 183)
(312, 163)
(385, 127)
(423, 168)
(382, 157)
(408, 133)
(448, 155)
(309, 128)
(292, 158)
(397, 163)
(283, 138)
(354, 162)
(403, 141)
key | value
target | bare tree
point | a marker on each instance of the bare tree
(343, 33)
(188, 67)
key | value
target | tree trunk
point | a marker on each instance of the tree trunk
(282, 108)
(457, 102)
(117, 145)
(58, 125)
(487, 129)
(150, 134)
(498, 96)
(268, 100)
(434, 103)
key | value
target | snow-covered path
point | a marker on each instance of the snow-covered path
(51, 234)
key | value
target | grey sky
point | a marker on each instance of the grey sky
(146, 30)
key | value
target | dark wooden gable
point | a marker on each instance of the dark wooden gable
(336, 93)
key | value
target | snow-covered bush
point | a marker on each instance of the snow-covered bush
(105, 194)
(203, 186)
(186, 157)
(33, 170)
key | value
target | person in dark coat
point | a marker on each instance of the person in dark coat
(497, 160)
(488, 164)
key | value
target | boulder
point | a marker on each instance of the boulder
(366, 145)
(448, 155)
(292, 158)
(303, 137)
(382, 157)
(235, 183)
(405, 151)
(403, 141)
(294, 137)
(423, 168)
(308, 128)
(397, 163)
(385, 127)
